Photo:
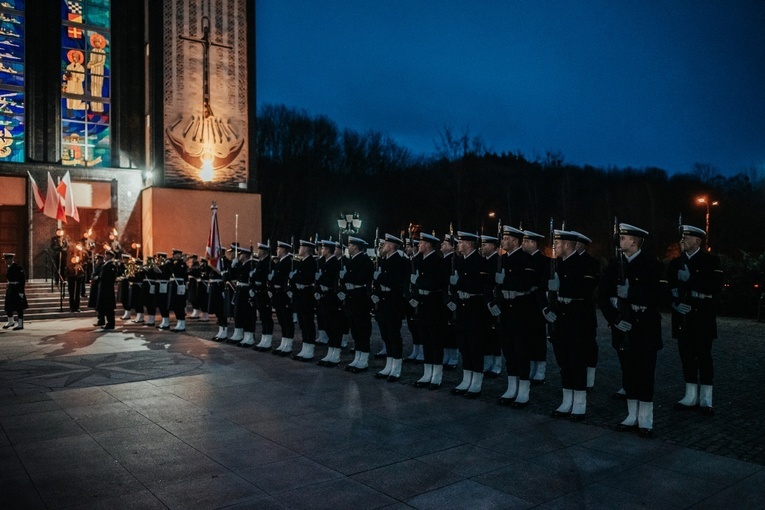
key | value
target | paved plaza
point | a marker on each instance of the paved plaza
(138, 418)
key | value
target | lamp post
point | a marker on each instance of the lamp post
(705, 201)
(349, 223)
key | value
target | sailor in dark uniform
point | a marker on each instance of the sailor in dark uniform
(93, 296)
(412, 254)
(695, 279)
(244, 312)
(302, 281)
(490, 264)
(538, 326)
(592, 333)
(177, 290)
(135, 292)
(202, 275)
(327, 304)
(468, 286)
(450, 344)
(151, 286)
(164, 292)
(569, 338)
(427, 297)
(259, 295)
(107, 302)
(192, 292)
(15, 295)
(629, 294)
(390, 281)
(518, 306)
(278, 288)
(355, 282)
(219, 290)
(123, 285)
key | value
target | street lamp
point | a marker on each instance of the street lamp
(349, 223)
(705, 201)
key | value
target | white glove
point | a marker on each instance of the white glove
(681, 308)
(377, 274)
(453, 279)
(343, 272)
(270, 276)
(623, 326)
(289, 294)
(550, 316)
(341, 296)
(684, 274)
(499, 278)
(413, 277)
(317, 296)
(554, 284)
(413, 303)
(317, 275)
(675, 293)
(375, 298)
(270, 294)
(623, 290)
(252, 293)
(451, 306)
(292, 274)
(494, 309)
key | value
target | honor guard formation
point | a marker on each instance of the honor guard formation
(481, 299)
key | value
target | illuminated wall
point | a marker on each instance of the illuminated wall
(205, 93)
(12, 46)
(85, 82)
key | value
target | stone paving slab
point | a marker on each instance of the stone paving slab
(139, 418)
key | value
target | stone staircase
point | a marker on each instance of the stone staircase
(44, 304)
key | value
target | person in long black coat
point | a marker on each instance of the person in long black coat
(15, 296)
(106, 300)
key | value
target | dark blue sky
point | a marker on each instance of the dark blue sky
(647, 83)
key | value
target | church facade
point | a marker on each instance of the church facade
(146, 106)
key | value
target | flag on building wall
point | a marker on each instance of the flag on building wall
(213, 240)
(54, 208)
(67, 197)
(39, 200)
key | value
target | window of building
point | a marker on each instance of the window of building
(12, 80)
(86, 82)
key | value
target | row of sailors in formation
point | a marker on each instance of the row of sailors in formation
(484, 305)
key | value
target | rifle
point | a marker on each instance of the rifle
(621, 305)
(552, 296)
(497, 291)
(682, 287)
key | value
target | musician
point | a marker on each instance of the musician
(518, 307)
(177, 291)
(15, 295)
(451, 347)
(428, 283)
(468, 286)
(107, 302)
(94, 282)
(259, 294)
(629, 294)
(75, 277)
(492, 353)
(695, 279)
(355, 282)
(538, 326)
(59, 246)
(163, 294)
(136, 275)
(302, 280)
(582, 243)
(327, 305)
(123, 285)
(390, 282)
(278, 287)
(569, 313)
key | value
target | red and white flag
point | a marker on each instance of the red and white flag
(213, 240)
(54, 208)
(67, 197)
(39, 200)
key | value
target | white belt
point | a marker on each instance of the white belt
(162, 281)
(568, 300)
(699, 295)
(214, 281)
(638, 308)
(300, 286)
(324, 288)
(277, 286)
(422, 292)
(350, 286)
(466, 295)
(242, 284)
(13, 283)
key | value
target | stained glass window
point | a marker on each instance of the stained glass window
(12, 80)
(85, 82)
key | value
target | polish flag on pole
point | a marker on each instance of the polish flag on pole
(213, 240)
(67, 197)
(39, 200)
(53, 206)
